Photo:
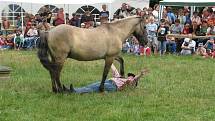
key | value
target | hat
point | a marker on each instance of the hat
(186, 39)
(200, 44)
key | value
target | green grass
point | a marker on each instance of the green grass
(176, 89)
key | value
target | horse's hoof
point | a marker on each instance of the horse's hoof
(101, 89)
(65, 89)
(72, 88)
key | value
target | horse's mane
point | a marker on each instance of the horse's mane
(117, 21)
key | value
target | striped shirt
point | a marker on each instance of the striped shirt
(116, 78)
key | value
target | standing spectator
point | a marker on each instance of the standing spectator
(162, 32)
(171, 15)
(6, 23)
(104, 14)
(67, 18)
(72, 21)
(155, 12)
(150, 14)
(18, 22)
(38, 19)
(122, 12)
(151, 28)
(188, 20)
(87, 19)
(196, 18)
(60, 17)
(181, 17)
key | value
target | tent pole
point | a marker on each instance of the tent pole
(110, 8)
(22, 20)
(64, 13)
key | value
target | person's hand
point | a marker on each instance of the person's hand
(144, 71)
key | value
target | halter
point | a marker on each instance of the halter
(141, 26)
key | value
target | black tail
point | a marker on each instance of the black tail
(43, 50)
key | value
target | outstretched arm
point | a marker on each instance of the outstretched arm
(142, 72)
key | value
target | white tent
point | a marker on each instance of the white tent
(191, 3)
(188, 2)
(61, 1)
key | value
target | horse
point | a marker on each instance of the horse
(103, 42)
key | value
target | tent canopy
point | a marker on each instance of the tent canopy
(188, 2)
(60, 1)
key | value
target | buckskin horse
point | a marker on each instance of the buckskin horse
(103, 42)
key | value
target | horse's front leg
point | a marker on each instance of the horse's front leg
(121, 61)
(108, 63)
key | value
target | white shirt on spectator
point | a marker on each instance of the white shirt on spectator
(32, 32)
(151, 29)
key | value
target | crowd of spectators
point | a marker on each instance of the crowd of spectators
(180, 22)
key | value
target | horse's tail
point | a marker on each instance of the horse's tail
(43, 50)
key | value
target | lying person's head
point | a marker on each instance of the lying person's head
(130, 77)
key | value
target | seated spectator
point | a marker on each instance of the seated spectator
(188, 46)
(211, 28)
(32, 36)
(175, 29)
(195, 28)
(8, 44)
(187, 29)
(18, 39)
(201, 50)
(104, 14)
(203, 29)
(2, 43)
(126, 47)
(209, 45)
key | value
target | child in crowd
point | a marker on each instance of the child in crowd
(18, 39)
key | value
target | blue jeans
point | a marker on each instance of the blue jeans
(109, 86)
(162, 47)
(171, 46)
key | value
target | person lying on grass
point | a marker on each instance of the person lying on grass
(116, 83)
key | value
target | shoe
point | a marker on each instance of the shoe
(65, 89)
(72, 88)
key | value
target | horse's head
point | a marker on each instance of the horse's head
(140, 27)
(140, 31)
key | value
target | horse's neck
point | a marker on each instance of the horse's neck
(124, 28)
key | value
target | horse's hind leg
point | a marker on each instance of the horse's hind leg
(108, 63)
(57, 67)
(121, 61)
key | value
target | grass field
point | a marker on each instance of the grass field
(176, 89)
